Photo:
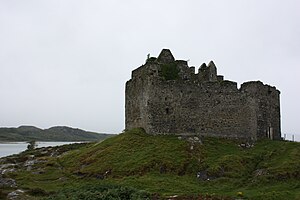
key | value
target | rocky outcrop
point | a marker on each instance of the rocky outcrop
(27, 161)
(16, 195)
(7, 182)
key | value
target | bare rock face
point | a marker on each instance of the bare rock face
(167, 97)
(7, 168)
(16, 195)
(7, 182)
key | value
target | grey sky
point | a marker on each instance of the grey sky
(65, 62)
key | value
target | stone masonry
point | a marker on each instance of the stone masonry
(166, 96)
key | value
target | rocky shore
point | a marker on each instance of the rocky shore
(29, 161)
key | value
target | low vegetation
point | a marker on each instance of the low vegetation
(135, 165)
(170, 71)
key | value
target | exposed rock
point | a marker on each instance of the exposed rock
(44, 152)
(202, 175)
(104, 175)
(10, 170)
(246, 145)
(206, 176)
(194, 140)
(63, 179)
(18, 194)
(260, 172)
(7, 168)
(7, 182)
(8, 165)
(30, 163)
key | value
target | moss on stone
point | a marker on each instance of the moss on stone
(170, 71)
(151, 59)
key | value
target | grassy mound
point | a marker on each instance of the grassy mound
(130, 153)
(167, 166)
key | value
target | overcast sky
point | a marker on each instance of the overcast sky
(65, 62)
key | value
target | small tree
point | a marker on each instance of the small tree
(31, 145)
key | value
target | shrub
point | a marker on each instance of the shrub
(37, 192)
(170, 71)
(104, 192)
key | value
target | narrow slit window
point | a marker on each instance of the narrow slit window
(167, 111)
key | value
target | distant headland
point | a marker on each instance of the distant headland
(57, 133)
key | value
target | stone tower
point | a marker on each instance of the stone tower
(165, 96)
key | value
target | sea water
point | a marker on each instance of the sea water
(11, 148)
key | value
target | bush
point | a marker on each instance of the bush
(37, 192)
(102, 192)
(170, 71)
(2, 195)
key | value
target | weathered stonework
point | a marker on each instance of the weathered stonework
(165, 96)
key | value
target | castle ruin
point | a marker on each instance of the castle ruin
(166, 96)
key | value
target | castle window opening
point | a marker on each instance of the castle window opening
(167, 111)
(269, 92)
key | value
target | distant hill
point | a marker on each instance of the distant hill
(57, 133)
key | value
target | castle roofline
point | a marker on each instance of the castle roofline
(211, 64)
(165, 56)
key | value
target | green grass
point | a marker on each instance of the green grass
(168, 166)
(129, 153)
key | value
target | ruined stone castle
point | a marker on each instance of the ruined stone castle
(166, 96)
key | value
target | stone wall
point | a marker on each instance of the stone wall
(178, 101)
(268, 108)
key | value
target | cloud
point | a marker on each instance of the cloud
(66, 62)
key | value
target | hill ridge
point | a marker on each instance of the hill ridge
(55, 133)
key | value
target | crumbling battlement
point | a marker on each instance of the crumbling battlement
(166, 96)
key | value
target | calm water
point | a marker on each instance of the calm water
(11, 148)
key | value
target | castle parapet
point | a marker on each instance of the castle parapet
(165, 57)
(208, 73)
(220, 78)
(257, 88)
(229, 86)
(167, 68)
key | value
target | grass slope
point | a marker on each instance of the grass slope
(168, 166)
